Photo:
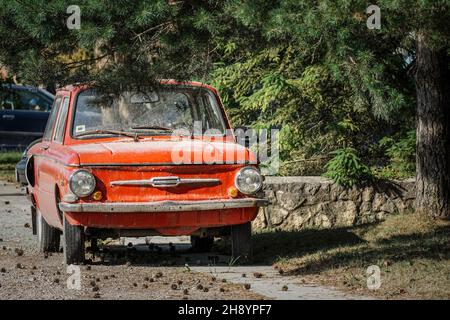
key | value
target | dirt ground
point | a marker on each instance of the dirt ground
(117, 272)
(32, 276)
(134, 268)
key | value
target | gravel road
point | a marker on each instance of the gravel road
(119, 272)
(143, 268)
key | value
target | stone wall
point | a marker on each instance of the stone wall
(301, 202)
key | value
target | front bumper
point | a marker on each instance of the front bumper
(163, 206)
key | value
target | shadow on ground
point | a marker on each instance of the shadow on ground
(163, 254)
(315, 251)
(269, 247)
(308, 251)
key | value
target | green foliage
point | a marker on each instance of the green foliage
(346, 168)
(401, 153)
(311, 68)
(316, 75)
(136, 42)
(10, 157)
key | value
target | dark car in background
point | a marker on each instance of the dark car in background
(24, 111)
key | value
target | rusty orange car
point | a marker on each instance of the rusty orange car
(160, 161)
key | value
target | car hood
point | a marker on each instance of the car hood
(162, 152)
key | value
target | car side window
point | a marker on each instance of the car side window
(24, 100)
(62, 121)
(52, 119)
(34, 101)
(8, 99)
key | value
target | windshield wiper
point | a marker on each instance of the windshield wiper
(135, 136)
(151, 127)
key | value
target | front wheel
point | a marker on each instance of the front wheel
(73, 243)
(48, 236)
(241, 248)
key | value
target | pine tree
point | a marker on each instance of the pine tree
(322, 51)
(413, 43)
(135, 42)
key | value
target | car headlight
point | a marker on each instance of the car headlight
(248, 180)
(82, 183)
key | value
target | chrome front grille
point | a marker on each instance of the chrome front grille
(166, 182)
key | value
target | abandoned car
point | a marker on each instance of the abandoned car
(150, 162)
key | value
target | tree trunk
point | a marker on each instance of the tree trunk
(433, 130)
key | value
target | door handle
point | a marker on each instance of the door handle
(8, 116)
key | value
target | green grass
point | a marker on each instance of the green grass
(8, 161)
(10, 157)
(412, 251)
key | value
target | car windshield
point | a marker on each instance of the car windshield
(161, 111)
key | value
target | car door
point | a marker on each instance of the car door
(55, 164)
(46, 166)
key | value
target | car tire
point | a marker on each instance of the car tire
(74, 239)
(200, 244)
(48, 236)
(241, 248)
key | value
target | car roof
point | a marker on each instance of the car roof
(28, 88)
(78, 86)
